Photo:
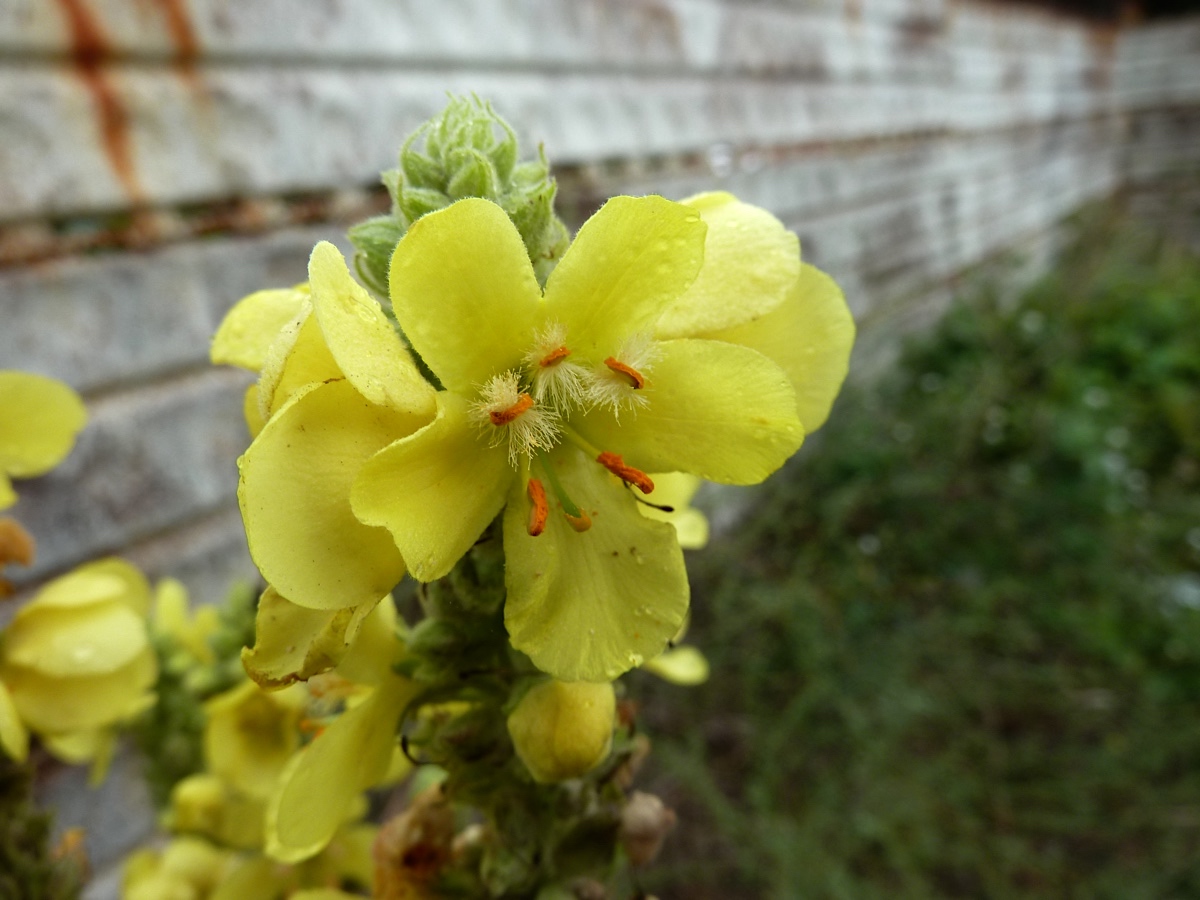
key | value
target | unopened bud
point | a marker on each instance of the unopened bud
(563, 729)
(645, 823)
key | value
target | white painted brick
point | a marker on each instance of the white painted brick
(116, 318)
(150, 459)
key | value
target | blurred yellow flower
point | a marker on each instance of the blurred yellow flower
(76, 660)
(189, 630)
(251, 734)
(188, 868)
(207, 805)
(39, 418)
(322, 784)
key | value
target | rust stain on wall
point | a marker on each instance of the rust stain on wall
(89, 50)
(183, 36)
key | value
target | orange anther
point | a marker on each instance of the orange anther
(540, 509)
(628, 474)
(581, 522)
(554, 357)
(636, 381)
(16, 544)
(504, 416)
(315, 727)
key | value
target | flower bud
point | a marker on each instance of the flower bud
(562, 729)
(645, 823)
(464, 151)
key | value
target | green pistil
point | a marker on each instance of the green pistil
(552, 479)
(578, 440)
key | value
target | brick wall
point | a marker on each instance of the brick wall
(161, 158)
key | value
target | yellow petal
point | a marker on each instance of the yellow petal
(297, 361)
(77, 747)
(810, 337)
(252, 878)
(436, 491)
(751, 262)
(675, 491)
(362, 341)
(96, 582)
(587, 607)
(464, 292)
(252, 325)
(54, 705)
(208, 805)
(91, 640)
(724, 412)
(295, 498)
(7, 495)
(630, 261)
(14, 739)
(683, 666)
(251, 734)
(172, 617)
(252, 412)
(293, 643)
(374, 648)
(320, 783)
(39, 418)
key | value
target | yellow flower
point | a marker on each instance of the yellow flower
(636, 358)
(191, 868)
(188, 868)
(336, 385)
(76, 660)
(251, 734)
(39, 418)
(207, 805)
(321, 785)
(189, 630)
(563, 730)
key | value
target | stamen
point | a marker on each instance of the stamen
(504, 416)
(504, 413)
(636, 381)
(540, 508)
(621, 382)
(628, 474)
(554, 357)
(554, 379)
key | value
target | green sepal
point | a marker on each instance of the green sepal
(375, 239)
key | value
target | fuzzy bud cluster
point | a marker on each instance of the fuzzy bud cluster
(466, 151)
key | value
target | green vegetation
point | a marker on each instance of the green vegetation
(29, 868)
(956, 645)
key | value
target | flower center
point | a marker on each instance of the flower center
(506, 413)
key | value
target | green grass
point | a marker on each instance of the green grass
(956, 644)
